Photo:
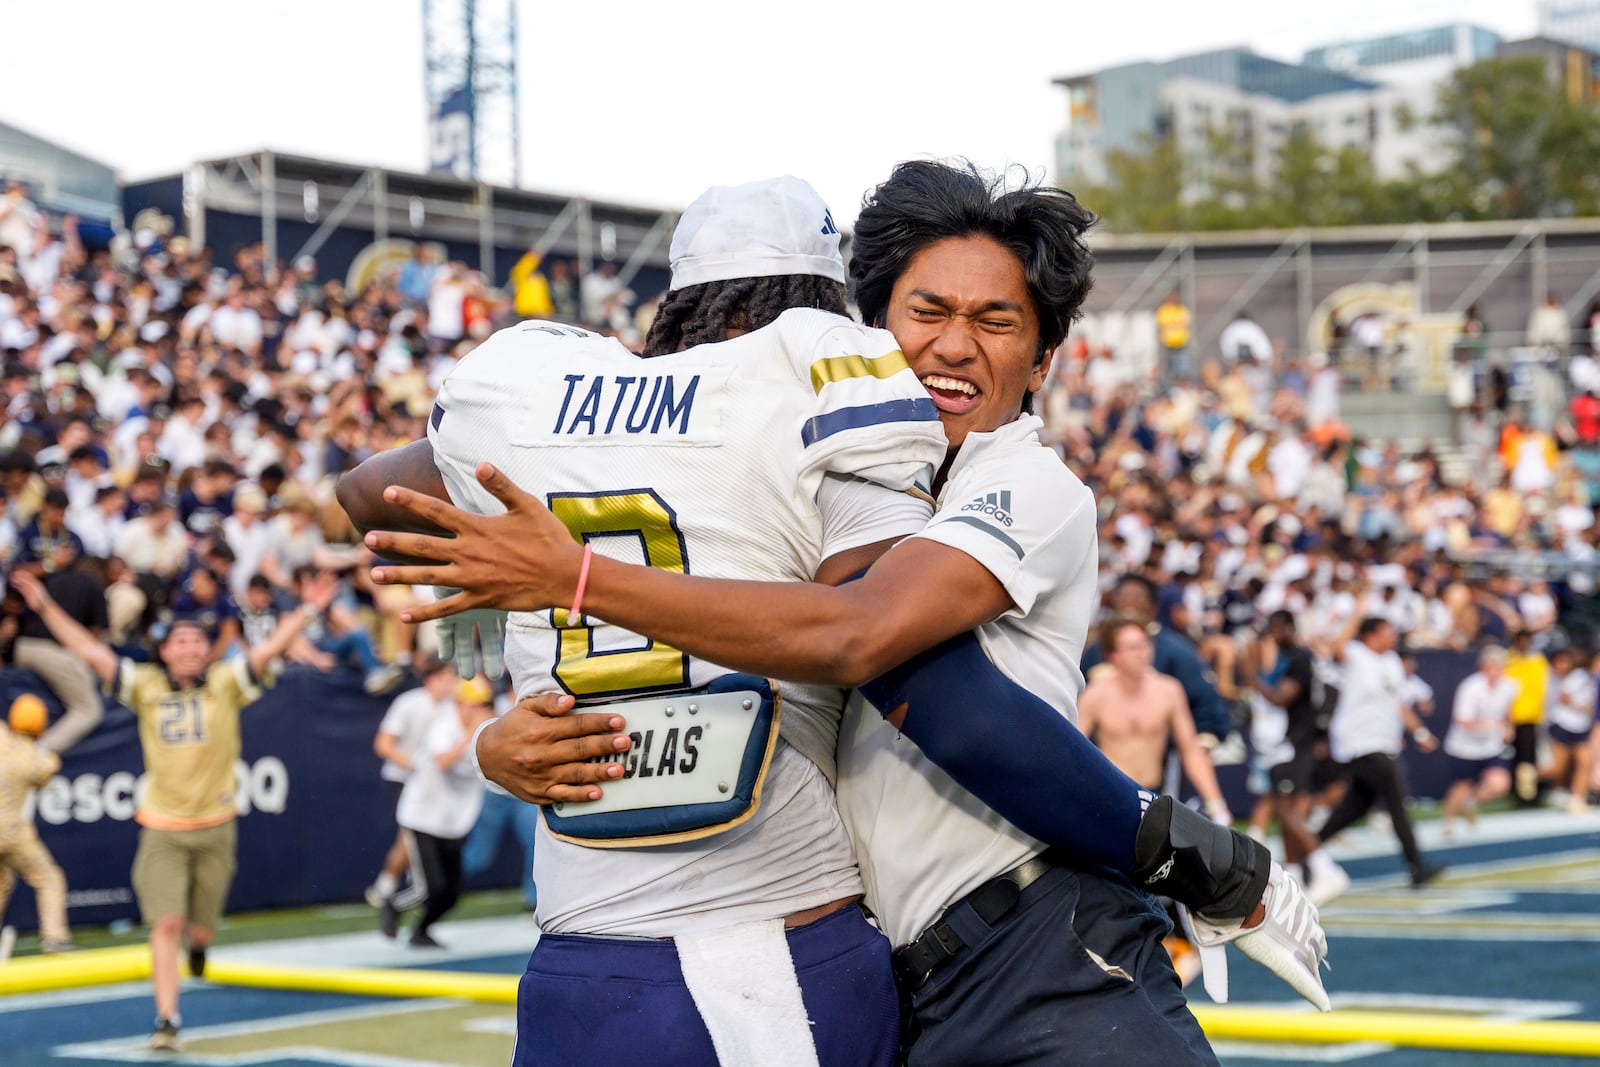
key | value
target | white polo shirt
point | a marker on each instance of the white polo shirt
(441, 801)
(1574, 702)
(922, 841)
(1478, 719)
(1367, 718)
(408, 719)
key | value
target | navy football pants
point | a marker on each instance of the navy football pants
(584, 998)
(1028, 991)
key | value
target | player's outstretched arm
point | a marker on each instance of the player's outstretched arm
(1090, 808)
(916, 595)
(361, 494)
(72, 635)
(360, 491)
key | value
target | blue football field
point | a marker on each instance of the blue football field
(1510, 933)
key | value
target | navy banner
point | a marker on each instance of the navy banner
(314, 822)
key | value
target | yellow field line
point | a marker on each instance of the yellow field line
(368, 981)
(101, 966)
(33, 974)
(1409, 1029)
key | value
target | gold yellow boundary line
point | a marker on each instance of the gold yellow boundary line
(37, 974)
(368, 981)
(1408, 1029)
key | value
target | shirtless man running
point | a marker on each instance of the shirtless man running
(1131, 712)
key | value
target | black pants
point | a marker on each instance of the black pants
(436, 877)
(1525, 768)
(1375, 779)
(1074, 974)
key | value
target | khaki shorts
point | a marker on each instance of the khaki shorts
(185, 872)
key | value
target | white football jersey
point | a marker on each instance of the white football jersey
(711, 462)
(924, 842)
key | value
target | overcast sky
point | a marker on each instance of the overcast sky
(643, 102)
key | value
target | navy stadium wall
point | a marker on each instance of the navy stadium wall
(226, 232)
(163, 194)
(316, 823)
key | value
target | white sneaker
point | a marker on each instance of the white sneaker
(1289, 942)
(1328, 883)
(380, 680)
(8, 941)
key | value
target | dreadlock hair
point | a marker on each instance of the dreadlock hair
(925, 201)
(702, 314)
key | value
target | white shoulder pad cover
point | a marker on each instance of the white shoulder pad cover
(872, 419)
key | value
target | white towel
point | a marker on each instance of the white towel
(743, 981)
(1213, 960)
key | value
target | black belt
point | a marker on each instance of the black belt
(993, 900)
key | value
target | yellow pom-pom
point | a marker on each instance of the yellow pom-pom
(28, 715)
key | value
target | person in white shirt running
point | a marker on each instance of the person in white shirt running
(438, 805)
(1366, 734)
(396, 743)
(1570, 718)
(1480, 730)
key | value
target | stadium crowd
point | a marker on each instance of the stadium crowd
(174, 424)
(176, 416)
(1229, 482)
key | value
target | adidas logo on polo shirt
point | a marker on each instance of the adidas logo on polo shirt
(995, 505)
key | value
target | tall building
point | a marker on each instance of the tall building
(1374, 94)
(1573, 66)
(1420, 56)
(1252, 98)
(1576, 21)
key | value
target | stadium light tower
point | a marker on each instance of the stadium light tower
(469, 52)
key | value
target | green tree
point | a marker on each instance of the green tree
(1516, 147)
(1520, 148)
(1144, 189)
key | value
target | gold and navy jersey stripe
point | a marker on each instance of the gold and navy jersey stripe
(843, 368)
(829, 423)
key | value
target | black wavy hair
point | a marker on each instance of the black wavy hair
(702, 314)
(925, 201)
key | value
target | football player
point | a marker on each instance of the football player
(979, 285)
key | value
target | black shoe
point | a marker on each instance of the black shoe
(423, 939)
(197, 961)
(388, 919)
(164, 1038)
(1421, 876)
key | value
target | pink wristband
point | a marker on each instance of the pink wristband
(583, 580)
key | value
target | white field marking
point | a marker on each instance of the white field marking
(1437, 901)
(1366, 841)
(492, 1024)
(1581, 878)
(1495, 1008)
(470, 939)
(1443, 928)
(249, 1027)
(64, 998)
(1577, 865)
(1229, 1051)
(1465, 872)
